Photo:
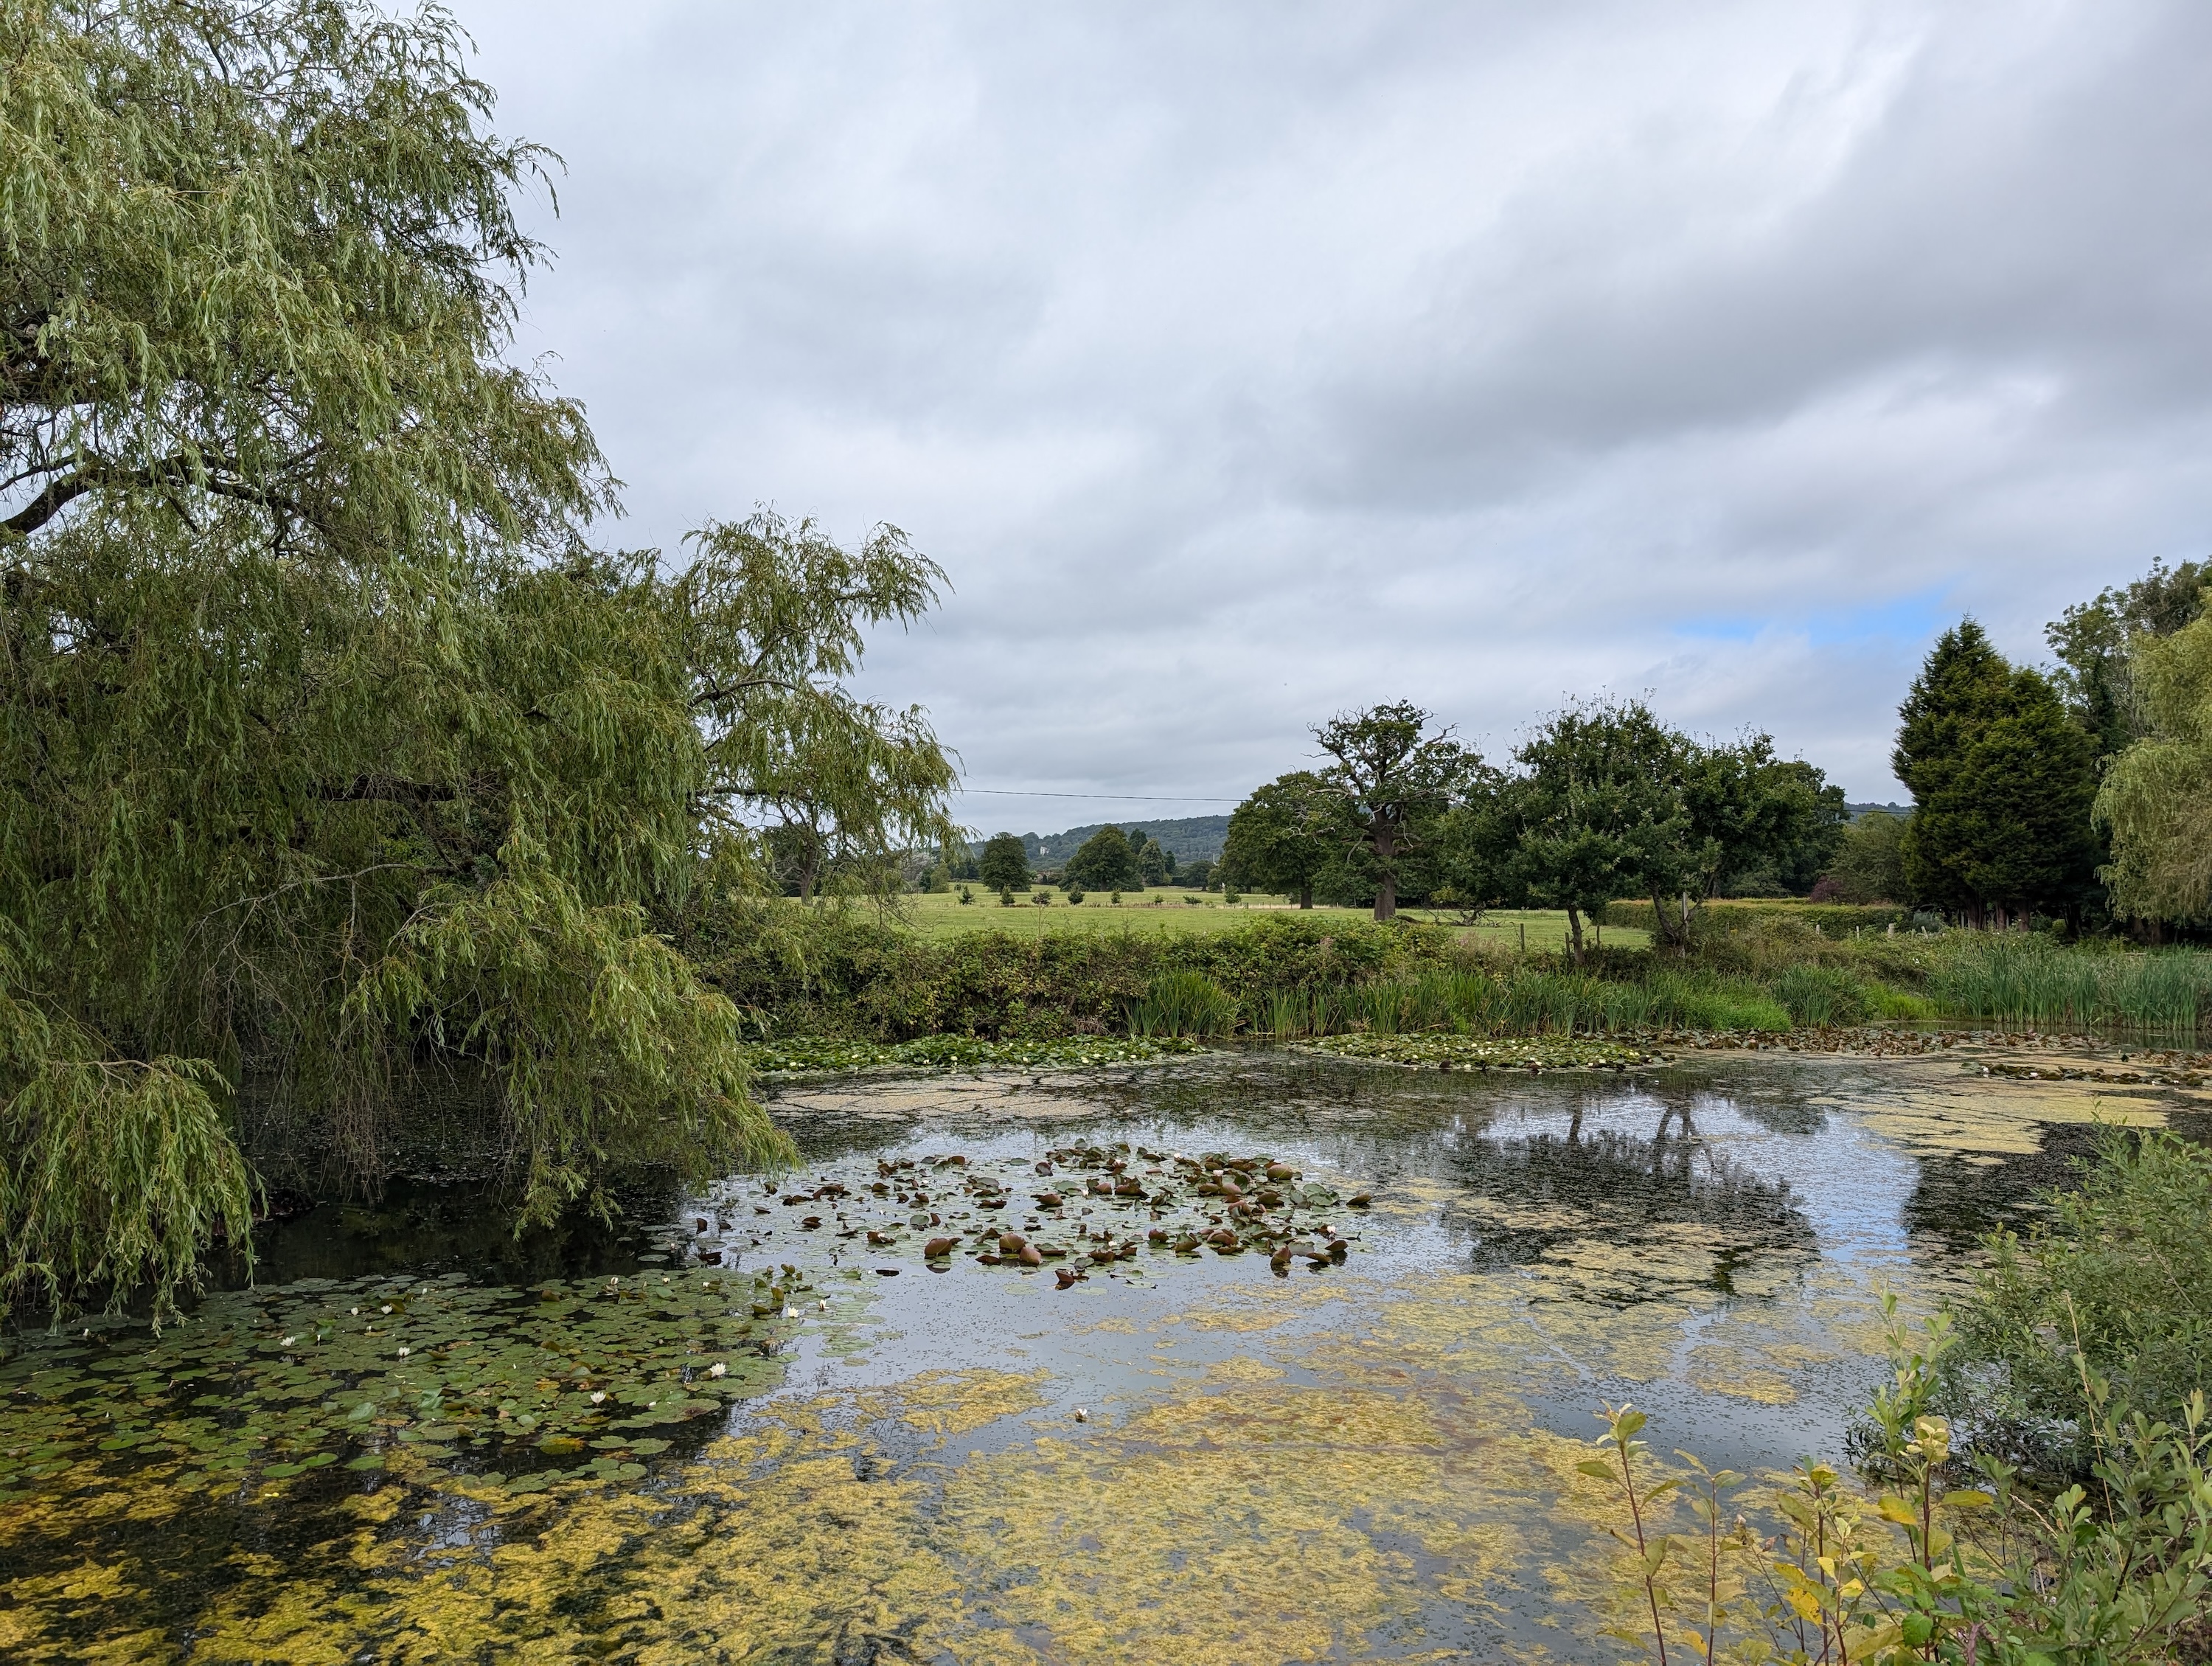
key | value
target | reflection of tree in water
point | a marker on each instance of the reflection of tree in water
(422, 1228)
(1959, 1199)
(1620, 1185)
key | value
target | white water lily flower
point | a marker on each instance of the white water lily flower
(597, 1395)
(287, 1341)
(718, 1369)
(405, 1351)
(791, 1313)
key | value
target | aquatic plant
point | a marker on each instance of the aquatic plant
(1451, 1052)
(819, 1053)
(2025, 979)
(580, 1377)
(1182, 1004)
(1822, 997)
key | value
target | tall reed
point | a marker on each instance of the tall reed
(1183, 1004)
(2020, 979)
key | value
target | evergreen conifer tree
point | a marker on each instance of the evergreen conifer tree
(2002, 781)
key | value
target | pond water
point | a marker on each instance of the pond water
(718, 1433)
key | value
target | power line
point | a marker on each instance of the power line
(1124, 798)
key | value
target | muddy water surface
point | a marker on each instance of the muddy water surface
(723, 1434)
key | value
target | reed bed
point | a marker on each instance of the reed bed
(2016, 980)
(2028, 980)
(1534, 1001)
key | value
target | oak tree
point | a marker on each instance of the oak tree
(1394, 781)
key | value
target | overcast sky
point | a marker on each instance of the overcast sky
(1242, 363)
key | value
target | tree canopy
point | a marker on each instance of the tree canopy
(1593, 810)
(1005, 863)
(2002, 781)
(1105, 862)
(1870, 864)
(2156, 800)
(1394, 781)
(337, 758)
(2096, 643)
(1285, 835)
(1605, 801)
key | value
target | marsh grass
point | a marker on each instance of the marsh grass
(2028, 980)
(1183, 1004)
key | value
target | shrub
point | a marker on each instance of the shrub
(1915, 1568)
(2118, 1281)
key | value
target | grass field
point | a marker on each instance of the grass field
(1166, 910)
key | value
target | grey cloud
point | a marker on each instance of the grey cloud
(1247, 362)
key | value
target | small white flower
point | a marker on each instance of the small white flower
(718, 1369)
(386, 1308)
(791, 1313)
(287, 1341)
(597, 1395)
(404, 1353)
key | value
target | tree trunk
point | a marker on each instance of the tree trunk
(1386, 880)
(1575, 933)
(809, 865)
(1306, 896)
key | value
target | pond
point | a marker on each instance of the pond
(1270, 1421)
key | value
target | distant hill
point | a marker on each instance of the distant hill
(1190, 839)
(1199, 838)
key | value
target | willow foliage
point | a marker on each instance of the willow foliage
(2156, 800)
(337, 762)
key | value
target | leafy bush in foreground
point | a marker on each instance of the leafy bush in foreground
(2118, 1281)
(1910, 1569)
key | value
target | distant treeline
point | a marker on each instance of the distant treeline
(2078, 797)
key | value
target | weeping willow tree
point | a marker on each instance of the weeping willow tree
(341, 768)
(2156, 800)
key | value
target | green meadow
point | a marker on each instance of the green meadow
(940, 915)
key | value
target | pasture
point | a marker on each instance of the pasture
(1172, 909)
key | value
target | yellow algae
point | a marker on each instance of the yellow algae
(1242, 1369)
(952, 1402)
(781, 1551)
(1985, 1120)
(1726, 1371)
(1519, 1217)
(1272, 1525)
(1267, 1307)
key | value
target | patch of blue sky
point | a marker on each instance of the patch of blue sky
(1904, 619)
